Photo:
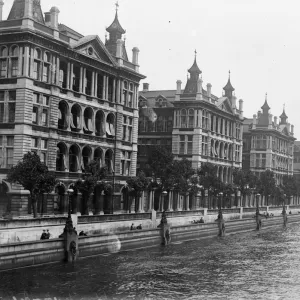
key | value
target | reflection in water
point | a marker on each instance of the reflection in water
(253, 265)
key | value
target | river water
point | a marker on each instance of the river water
(252, 265)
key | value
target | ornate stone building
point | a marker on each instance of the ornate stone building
(268, 144)
(196, 125)
(71, 98)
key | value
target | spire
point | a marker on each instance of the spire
(194, 69)
(283, 116)
(265, 107)
(191, 85)
(228, 88)
(115, 26)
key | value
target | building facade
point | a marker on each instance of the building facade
(268, 144)
(71, 98)
(205, 128)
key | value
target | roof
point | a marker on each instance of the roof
(194, 68)
(115, 26)
(265, 106)
(228, 86)
(283, 115)
(18, 9)
(65, 29)
(84, 40)
(154, 94)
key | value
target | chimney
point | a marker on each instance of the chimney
(292, 129)
(241, 107)
(270, 125)
(258, 114)
(178, 90)
(254, 122)
(119, 53)
(208, 87)
(145, 87)
(275, 122)
(1, 10)
(199, 89)
(54, 11)
(288, 125)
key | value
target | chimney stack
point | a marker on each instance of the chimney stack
(241, 107)
(54, 11)
(288, 125)
(254, 122)
(208, 87)
(119, 53)
(145, 87)
(275, 121)
(1, 10)
(178, 90)
(292, 129)
(47, 18)
(199, 89)
(135, 57)
(270, 125)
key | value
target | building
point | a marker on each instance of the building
(205, 128)
(71, 98)
(268, 144)
(297, 160)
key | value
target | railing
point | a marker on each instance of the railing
(114, 218)
(224, 211)
(185, 213)
(249, 209)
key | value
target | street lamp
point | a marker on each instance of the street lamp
(69, 191)
(257, 202)
(164, 194)
(220, 201)
(283, 203)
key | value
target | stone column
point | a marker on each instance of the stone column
(104, 88)
(118, 92)
(31, 62)
(93, 84)
(57, 70)
(96, 84)
(170, 200)
(150, 202)
(114, 91)
(71, 76)
(84, 81)
(239, 199)
(68, 76)
(80, 80)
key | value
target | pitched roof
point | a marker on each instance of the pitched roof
(228, 86)
(18, 9)
(194, 68)
(67, 30)
(265, 106)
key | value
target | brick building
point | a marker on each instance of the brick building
(268, 144)
(71, 98)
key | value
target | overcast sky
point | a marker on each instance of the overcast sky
(257, 40)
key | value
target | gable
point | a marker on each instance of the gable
(225, 105)
(93, 47)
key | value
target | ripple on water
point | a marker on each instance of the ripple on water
(254, 265)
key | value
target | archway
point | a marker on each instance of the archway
(59, 205)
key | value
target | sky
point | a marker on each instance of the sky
(257, 40)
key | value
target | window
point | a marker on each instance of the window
(7, 106)
(2, 95)
(204, 145)
(14, 57)
(238, 131)
(34, 142)
(263, 161)
(127, 128)
(204, 119)
(44, 117)
(10, 151)
(125, 163)
(183, 118)
(43, 156)
(45, 100)
(237, 153)
(3, 62)
(36, 98)
(186, 144)
(130, 95)
(191, 118)
(44, 144)
(34, 115)
(37, 64)
(125, 93)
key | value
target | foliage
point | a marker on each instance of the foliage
(289, 185)
(160, 160)
(244, 180)
(208, 176)
(266, 183)
(32, 175)
(139, 183)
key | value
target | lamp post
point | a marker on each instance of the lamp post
(69, 191)
(257, 202)
(220, 201)
(164, 194)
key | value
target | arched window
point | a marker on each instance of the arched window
(110, 125)
(109, 161)
(125, 93)
(74, 159)
(75, 118)
(88, 116)
(62, 115)
(3, 62)
(130, 95)
(86, 158)
(204, 119)
(61, 151)
(191, 118)
(100, 123)
(183, 118)
(98, 156)
(14, 57)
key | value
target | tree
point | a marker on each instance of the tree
(34, 176)
(137, 185)
(94, 174)
(289, 186)
(160, 161)
(266, 183)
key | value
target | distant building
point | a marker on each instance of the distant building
(268, 144)
(205, 128)
(296, 168)
(71, 98)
